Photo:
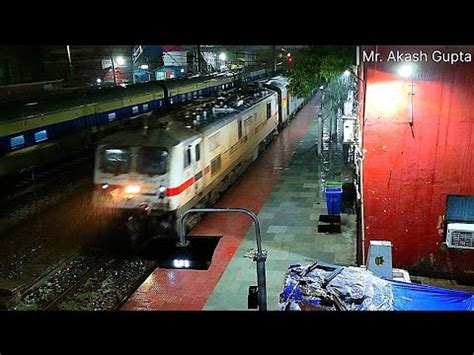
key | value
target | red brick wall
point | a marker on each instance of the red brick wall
(409, 172)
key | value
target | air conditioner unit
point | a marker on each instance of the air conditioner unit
(460, 235)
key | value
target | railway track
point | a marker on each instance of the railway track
(89, 281)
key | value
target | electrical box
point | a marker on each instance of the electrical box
(349, 128)
(460, 235)
(348, 107)
(379, 259)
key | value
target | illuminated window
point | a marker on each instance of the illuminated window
(112, 116)
(41, 136)
(17, 141)
(135, 109)
(145, 107)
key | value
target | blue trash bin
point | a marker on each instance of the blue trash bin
(334, 199)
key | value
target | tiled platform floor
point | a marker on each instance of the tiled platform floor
(190, 289)
(289, 220)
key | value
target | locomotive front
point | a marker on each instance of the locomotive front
(132, 173)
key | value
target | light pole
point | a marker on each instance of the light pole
(113, 69)
(259, 256)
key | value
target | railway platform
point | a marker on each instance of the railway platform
(284, 187)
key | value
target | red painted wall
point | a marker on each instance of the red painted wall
(409, 171)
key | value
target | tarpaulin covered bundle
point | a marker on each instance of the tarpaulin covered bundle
(321, 286)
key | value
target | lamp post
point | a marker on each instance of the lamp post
(259, 256)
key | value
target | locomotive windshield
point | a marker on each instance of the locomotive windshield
(152, 161)
(116, 160)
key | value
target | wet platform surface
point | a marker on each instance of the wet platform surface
(289, 220)
(284, 188)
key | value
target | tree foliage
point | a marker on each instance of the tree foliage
(317, 65)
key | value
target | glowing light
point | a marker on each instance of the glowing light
(144, 66)
(321, 87)
(347, 72)
(288, 55)
(132, 189)
(387, 99)
(120, 60)
(405, 71)
(182, 70)
(114, 151)
(162, 189)
(98, 80)
(180, 263)
(105, 186)
(222, 56)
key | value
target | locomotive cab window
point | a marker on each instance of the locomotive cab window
(187, 157)
(116, 160)
(269, 110)
(153, 161)
(198, 152)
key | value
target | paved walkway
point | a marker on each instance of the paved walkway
(289, 220)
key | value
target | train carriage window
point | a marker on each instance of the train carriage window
(198, 152)
(269, 110)
(116, 160)
(41, 136)
(17, 141)
(153, 161)
(240, 129)
(187, 157)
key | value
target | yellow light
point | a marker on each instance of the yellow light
(132, 189)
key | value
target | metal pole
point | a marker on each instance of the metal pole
(274, 58)
(259, 257)
(69, 61)
(199, 59)
(113, 69)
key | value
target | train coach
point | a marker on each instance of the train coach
(35, 133)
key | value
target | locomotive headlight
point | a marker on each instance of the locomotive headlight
(181, 263)
(105, 186)
(162, 190)
(132, 189)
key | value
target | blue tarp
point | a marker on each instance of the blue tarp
(416, 297)
(358, 289)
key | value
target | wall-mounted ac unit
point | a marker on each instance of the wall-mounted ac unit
(460, 235)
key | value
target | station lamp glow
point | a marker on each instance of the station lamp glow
(144, 66)
(120, 60)
(406, 70)
(98, 80)
(222, 56)
(347, 72)
(182, 70)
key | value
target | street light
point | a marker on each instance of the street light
(120, 60)
(406, 70)
(222, 56)
(144, 66)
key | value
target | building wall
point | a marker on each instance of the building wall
(409, 170)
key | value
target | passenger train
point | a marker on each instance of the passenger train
(189, 157)
(45, 131)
